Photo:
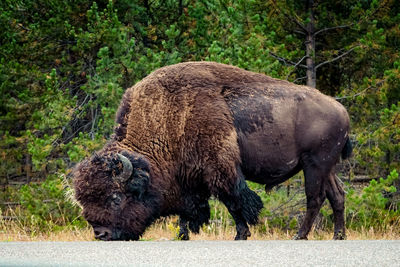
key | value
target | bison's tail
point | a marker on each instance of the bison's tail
(347, 149)
(251, 205)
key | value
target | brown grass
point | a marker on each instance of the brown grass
(166, 230)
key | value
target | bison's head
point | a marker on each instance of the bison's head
(115, 193)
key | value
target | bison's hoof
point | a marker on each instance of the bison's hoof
(339, 235)
(183, 237)
(297, 237)
(268, 189)
(243, 236)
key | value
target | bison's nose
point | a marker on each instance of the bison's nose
(102, 233)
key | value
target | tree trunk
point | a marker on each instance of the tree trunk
(310, 47)
(180, 7)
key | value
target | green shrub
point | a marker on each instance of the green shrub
(47, 206)
(372, 207)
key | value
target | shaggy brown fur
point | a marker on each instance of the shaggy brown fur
(198, 129)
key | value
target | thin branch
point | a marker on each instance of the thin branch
(92, 131)
(333, 28)
(301, 78)
(287, 202)
(351, 96)
(299, 32)
(363, 91)
(69, 138)
(23, 27)
(336, 58)
(298, 63)
(287, 61)
(297, 23)
(295, 66)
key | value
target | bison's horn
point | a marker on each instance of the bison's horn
(127, 170)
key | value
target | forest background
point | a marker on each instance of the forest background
(64, 66)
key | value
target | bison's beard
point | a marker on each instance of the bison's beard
(119, 234)
(136, 217)
(111, 234)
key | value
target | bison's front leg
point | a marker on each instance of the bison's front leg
(242, 230)
(197, 213)
(244, 209)
(183, 229)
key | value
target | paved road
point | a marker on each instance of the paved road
(202, 253)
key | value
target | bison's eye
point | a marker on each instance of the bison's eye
(92, 223)
(115, 200)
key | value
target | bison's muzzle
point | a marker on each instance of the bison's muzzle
(102, 233)
(114, 234)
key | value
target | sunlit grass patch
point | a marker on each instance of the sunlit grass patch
(165, 229)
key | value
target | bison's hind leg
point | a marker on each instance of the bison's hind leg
(335, 195)
(315, 192)
(321, 183)
(183, 229)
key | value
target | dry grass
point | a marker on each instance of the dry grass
(166, 230)
(12, 231)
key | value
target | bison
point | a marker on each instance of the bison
(194, 130)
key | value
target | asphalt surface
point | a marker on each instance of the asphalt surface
(201, 253)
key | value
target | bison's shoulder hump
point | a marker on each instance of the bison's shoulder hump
(201, 74)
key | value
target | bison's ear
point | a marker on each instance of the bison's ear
(139, 180)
